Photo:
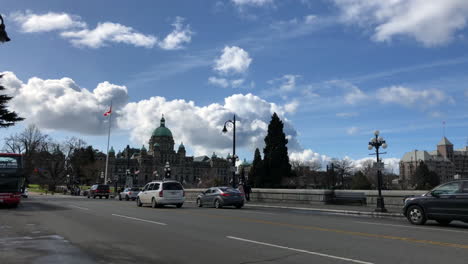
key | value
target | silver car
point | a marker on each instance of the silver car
(221, 196)
(129, 193)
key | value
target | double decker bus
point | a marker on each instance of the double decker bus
(11, 178)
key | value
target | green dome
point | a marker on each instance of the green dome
(162, 130)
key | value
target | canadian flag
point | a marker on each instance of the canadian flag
(108, 112)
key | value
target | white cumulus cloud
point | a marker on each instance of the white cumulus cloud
(179, 36)
(51, 21)
(200, 126)
(410, 97)
(72, 28)
(233, 60)
(60, 104)
(106, 33)
(308, 156)
(431, 22)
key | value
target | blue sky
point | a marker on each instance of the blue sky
(335, 70)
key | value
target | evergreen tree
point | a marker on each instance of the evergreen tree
(256, 172)
(276, 159)
(7, 118)
(360, 182)
(424, 179)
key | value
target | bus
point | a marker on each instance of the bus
(11, 178)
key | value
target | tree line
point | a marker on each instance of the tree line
(49, 162)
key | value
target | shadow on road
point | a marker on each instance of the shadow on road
(33, 206)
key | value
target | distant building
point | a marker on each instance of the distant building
(144, 165)
(445, 161)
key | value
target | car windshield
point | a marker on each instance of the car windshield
(172, 186)
(228, 189)
(9, 163)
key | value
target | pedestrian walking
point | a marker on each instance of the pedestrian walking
(247, 191)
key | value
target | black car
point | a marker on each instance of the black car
(444, 203)
(221, 196)
(99, 190)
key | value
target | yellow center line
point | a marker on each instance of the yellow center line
(353, 233)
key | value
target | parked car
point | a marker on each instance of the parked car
(85, 192)
(221, 196)
(444, 203)
(129, 193)
(160, 193)
(99, 190)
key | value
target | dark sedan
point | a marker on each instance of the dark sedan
(221, 196)
(445, 203)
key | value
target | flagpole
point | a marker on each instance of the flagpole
(108, 140)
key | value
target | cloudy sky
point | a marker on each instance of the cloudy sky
(334, 70)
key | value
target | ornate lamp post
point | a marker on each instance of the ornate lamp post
(234, 157)
(377, 142)
(167, 170)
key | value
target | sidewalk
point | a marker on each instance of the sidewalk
(393, 211)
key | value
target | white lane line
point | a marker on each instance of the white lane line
(415, 227)
(300, 250)
(79, 207)
(138, 219)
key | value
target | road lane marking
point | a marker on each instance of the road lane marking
(252, 212)
(300, 250)
(139, 219)
(79, 207)
(415, 227)
(353, 233)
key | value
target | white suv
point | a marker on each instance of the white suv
(159, 193)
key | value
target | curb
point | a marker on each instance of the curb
(331, 211)
(334, 211)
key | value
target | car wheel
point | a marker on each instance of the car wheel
(107, 196)
(179, 205)
(444, 222)
(239, 206)
(416, 215)
(217, 204)
(127, 198)
(100, 197)
(120, 198)
(199, 203)
(94, 196)
(139, 204)
(154, 204)
(88, 197)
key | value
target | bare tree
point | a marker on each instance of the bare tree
(344, 169)
(29, 142)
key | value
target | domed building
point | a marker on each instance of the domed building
(145, 165)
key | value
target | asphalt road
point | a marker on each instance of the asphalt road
(61, 229)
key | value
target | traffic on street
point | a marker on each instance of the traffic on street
(113, 231)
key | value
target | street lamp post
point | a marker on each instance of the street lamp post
(167, 170)
(377, 142)
(234, 157)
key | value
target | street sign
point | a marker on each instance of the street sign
(378, 165)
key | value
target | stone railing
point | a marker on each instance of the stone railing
(314, 196)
